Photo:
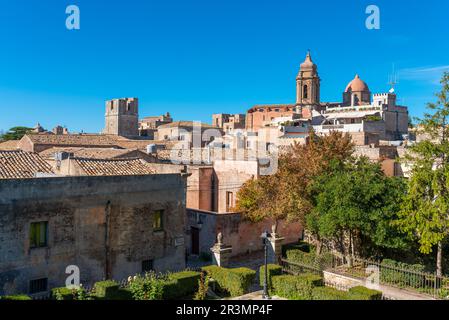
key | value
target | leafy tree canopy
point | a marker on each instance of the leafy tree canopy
(15, 133)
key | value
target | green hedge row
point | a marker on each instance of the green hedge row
(234, 282)
(181, 284)
(298, 287)
(355, 293)
(311, 287)
(328, 293)
(363, 293)
(16, 297)
(312, 260)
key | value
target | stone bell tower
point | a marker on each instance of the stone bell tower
(122, 117)
(308, 83)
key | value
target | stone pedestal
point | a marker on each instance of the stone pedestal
(275, 248)
(221, 254)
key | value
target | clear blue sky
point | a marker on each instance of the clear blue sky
(195, 58)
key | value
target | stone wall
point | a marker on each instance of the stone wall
(103, 225)
(243, 236)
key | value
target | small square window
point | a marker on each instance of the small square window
(39, 285)
(158, 220)
(147, 266)
(38, 234)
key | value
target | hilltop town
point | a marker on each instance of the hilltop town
(155, 193)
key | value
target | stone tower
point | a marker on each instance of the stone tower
(122, 117)
(308, 83)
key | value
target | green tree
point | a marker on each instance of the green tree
(285, 194)
(15, 133)
(425, 212)
(356, 200)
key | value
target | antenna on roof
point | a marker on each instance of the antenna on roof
(393, 81)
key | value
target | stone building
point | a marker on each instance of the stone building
(229, 122)
(244, 236)
(110, 227)
(188, 134)
(148, 125)
(365, 116)
(122, 117)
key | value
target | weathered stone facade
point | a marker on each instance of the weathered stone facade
(103, 225)
(122, 117)
(243, 236)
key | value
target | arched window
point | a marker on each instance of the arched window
(305, 92)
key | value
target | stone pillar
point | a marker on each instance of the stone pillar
(275, 246)
(220, 252)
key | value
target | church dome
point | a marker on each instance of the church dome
(357, 85)
(308, 63)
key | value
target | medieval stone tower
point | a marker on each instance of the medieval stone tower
(122, 117)
(308, 83)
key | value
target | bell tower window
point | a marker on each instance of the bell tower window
(305, 92)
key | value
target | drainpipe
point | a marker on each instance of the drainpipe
(107, 269)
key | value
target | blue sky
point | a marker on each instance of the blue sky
(195, 58)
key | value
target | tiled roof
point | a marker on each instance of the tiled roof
(19, 165)
(9, 145)
(97, 167)
(91, 153)
(185, 124)
(90, 141)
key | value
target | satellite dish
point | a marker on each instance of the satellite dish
(391, 90)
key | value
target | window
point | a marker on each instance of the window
(39, 285)
(229, 200)
(147, 266)
(305, 92)
(38, 234)
(157, 220)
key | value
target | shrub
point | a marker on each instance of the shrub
(319, 262)
(63, 293)
(302, 246)
(203, 287)
(21, 297)
(298, 287)
(106, 289)
(180, 284)
(164, 287)
(148, 287)
(273, 270)
(328, 293)
(234, 282)
(363, 293)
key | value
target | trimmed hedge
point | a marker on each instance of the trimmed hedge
(328, 293)
(234, 282)
(273, 270)
(309, 259)
(363, 293)
(303, 246)
(62, 293)
(21, 297)
(296, 287)
(181, 285)
(106, 289)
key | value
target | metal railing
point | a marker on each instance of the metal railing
(295, 268)
(393, 275)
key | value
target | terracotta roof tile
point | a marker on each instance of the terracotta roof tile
(21, 165)
(9, 145)
(98, 167)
